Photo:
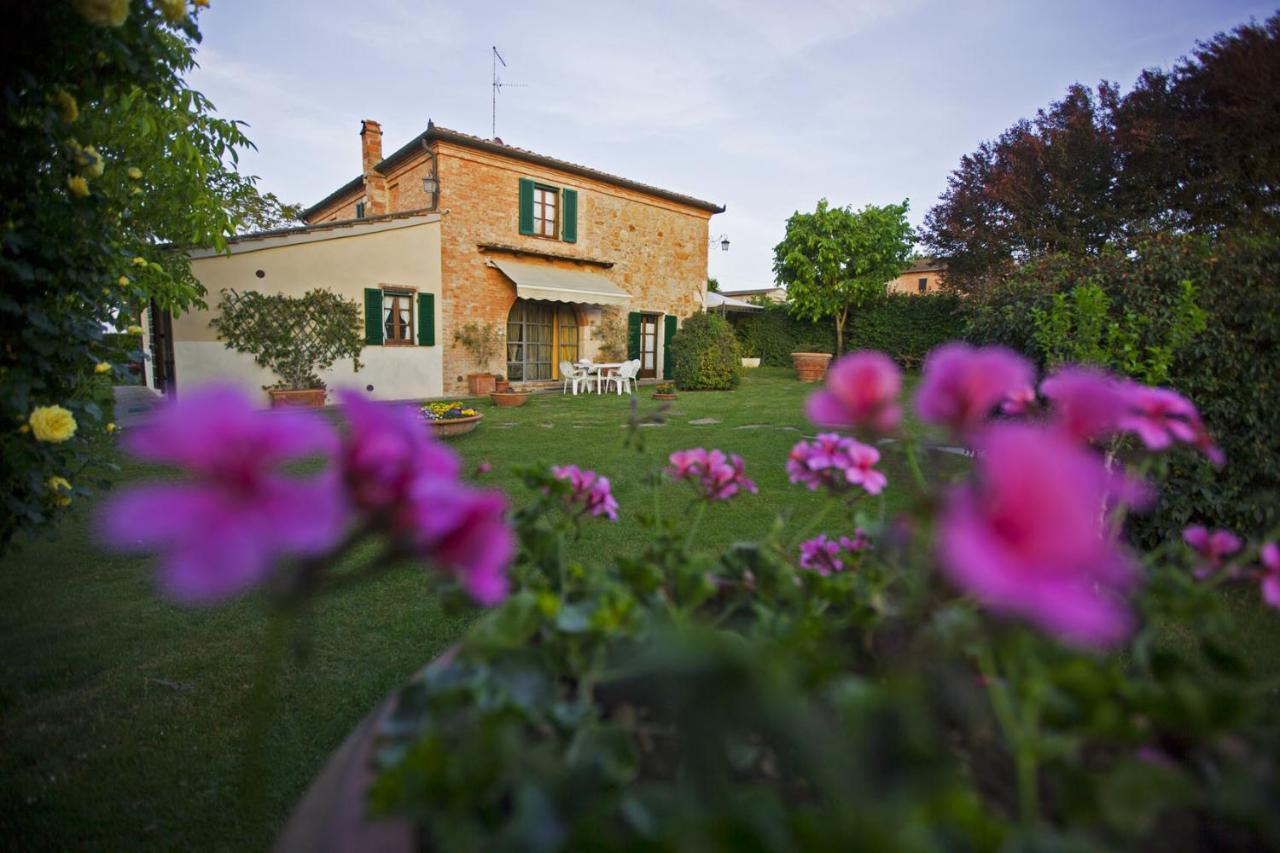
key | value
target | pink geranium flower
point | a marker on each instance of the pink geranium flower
(590, 490)
(1020, 401)
(409, 481)
(1270, 556)
(1027, 539)
(861, 391)
(464, 531)
(1212, 546)
(222, 531)
(962, 384)
(714, 475)
(1161, 416)
(1087, 404)
(835, 462)
(822, 554)
(387, 450)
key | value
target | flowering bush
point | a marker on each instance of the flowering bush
(994, 667)
(447, 411)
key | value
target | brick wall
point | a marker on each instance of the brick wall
(658, 247)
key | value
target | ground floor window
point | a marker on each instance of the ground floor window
(539, 336)
(397, 316)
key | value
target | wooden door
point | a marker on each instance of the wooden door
(648, 346)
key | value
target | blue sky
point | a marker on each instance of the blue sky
(763, 107)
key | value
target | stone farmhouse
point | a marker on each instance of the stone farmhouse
(452, 229)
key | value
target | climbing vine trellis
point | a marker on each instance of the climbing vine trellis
(296, 337)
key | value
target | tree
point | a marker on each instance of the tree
(713, 285)
(834, 259)
(1190, 149)
(112, 168)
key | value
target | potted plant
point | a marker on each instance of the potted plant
(447, 419)
(509, 399)
(483, 342)
(295, 337)
(810, 366)
(501, 384)
(665, 391)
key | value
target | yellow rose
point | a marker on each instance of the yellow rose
(136, 191)
(77, 186)
(52, 423)
(58, 485)
(102, 367)
(25, 428)
(103, 13)
(68, 109)
(91, 163)
(139, 262)
(133, 330)
(111, 427)
(173, 10)
(123, 281)
(135, 174)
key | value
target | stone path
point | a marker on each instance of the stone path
(134, 404)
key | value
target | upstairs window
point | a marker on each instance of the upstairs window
(359, 210)
(546, 203)
(548, 211)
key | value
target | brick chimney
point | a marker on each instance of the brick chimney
(375, 184)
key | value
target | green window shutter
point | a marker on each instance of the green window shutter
(633, 335)
(668, 332)
(426, 319)
(373, 315)
(526, 206)
(570, 230)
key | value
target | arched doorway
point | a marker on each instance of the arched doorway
(540, 335)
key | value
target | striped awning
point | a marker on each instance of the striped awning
(555, 284)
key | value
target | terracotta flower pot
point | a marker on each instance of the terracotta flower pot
(450, 427)
(811, 366)
(661, 396)
(501, 386)
(480, 384)
(509, 399)
(307, 398)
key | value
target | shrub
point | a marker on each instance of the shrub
(1228, 369)
(773, 334)
(482, 341)
(611, 334)
(706, 355)
(295, 337)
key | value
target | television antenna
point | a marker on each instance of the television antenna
(497, 90)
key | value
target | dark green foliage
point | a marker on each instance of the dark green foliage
(773, 334)
(107, 155)
(705, 354)
(1229, 370)
(906, 327)
(1192, 149)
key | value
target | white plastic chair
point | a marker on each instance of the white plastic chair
(625, 375)
(571, 374)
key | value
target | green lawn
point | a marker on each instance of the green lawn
(124, 717)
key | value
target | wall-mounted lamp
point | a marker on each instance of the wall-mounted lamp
(723, 240)
(430, 186)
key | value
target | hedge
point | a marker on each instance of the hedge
(904, 326)
(706, 355)
(1229, 371)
